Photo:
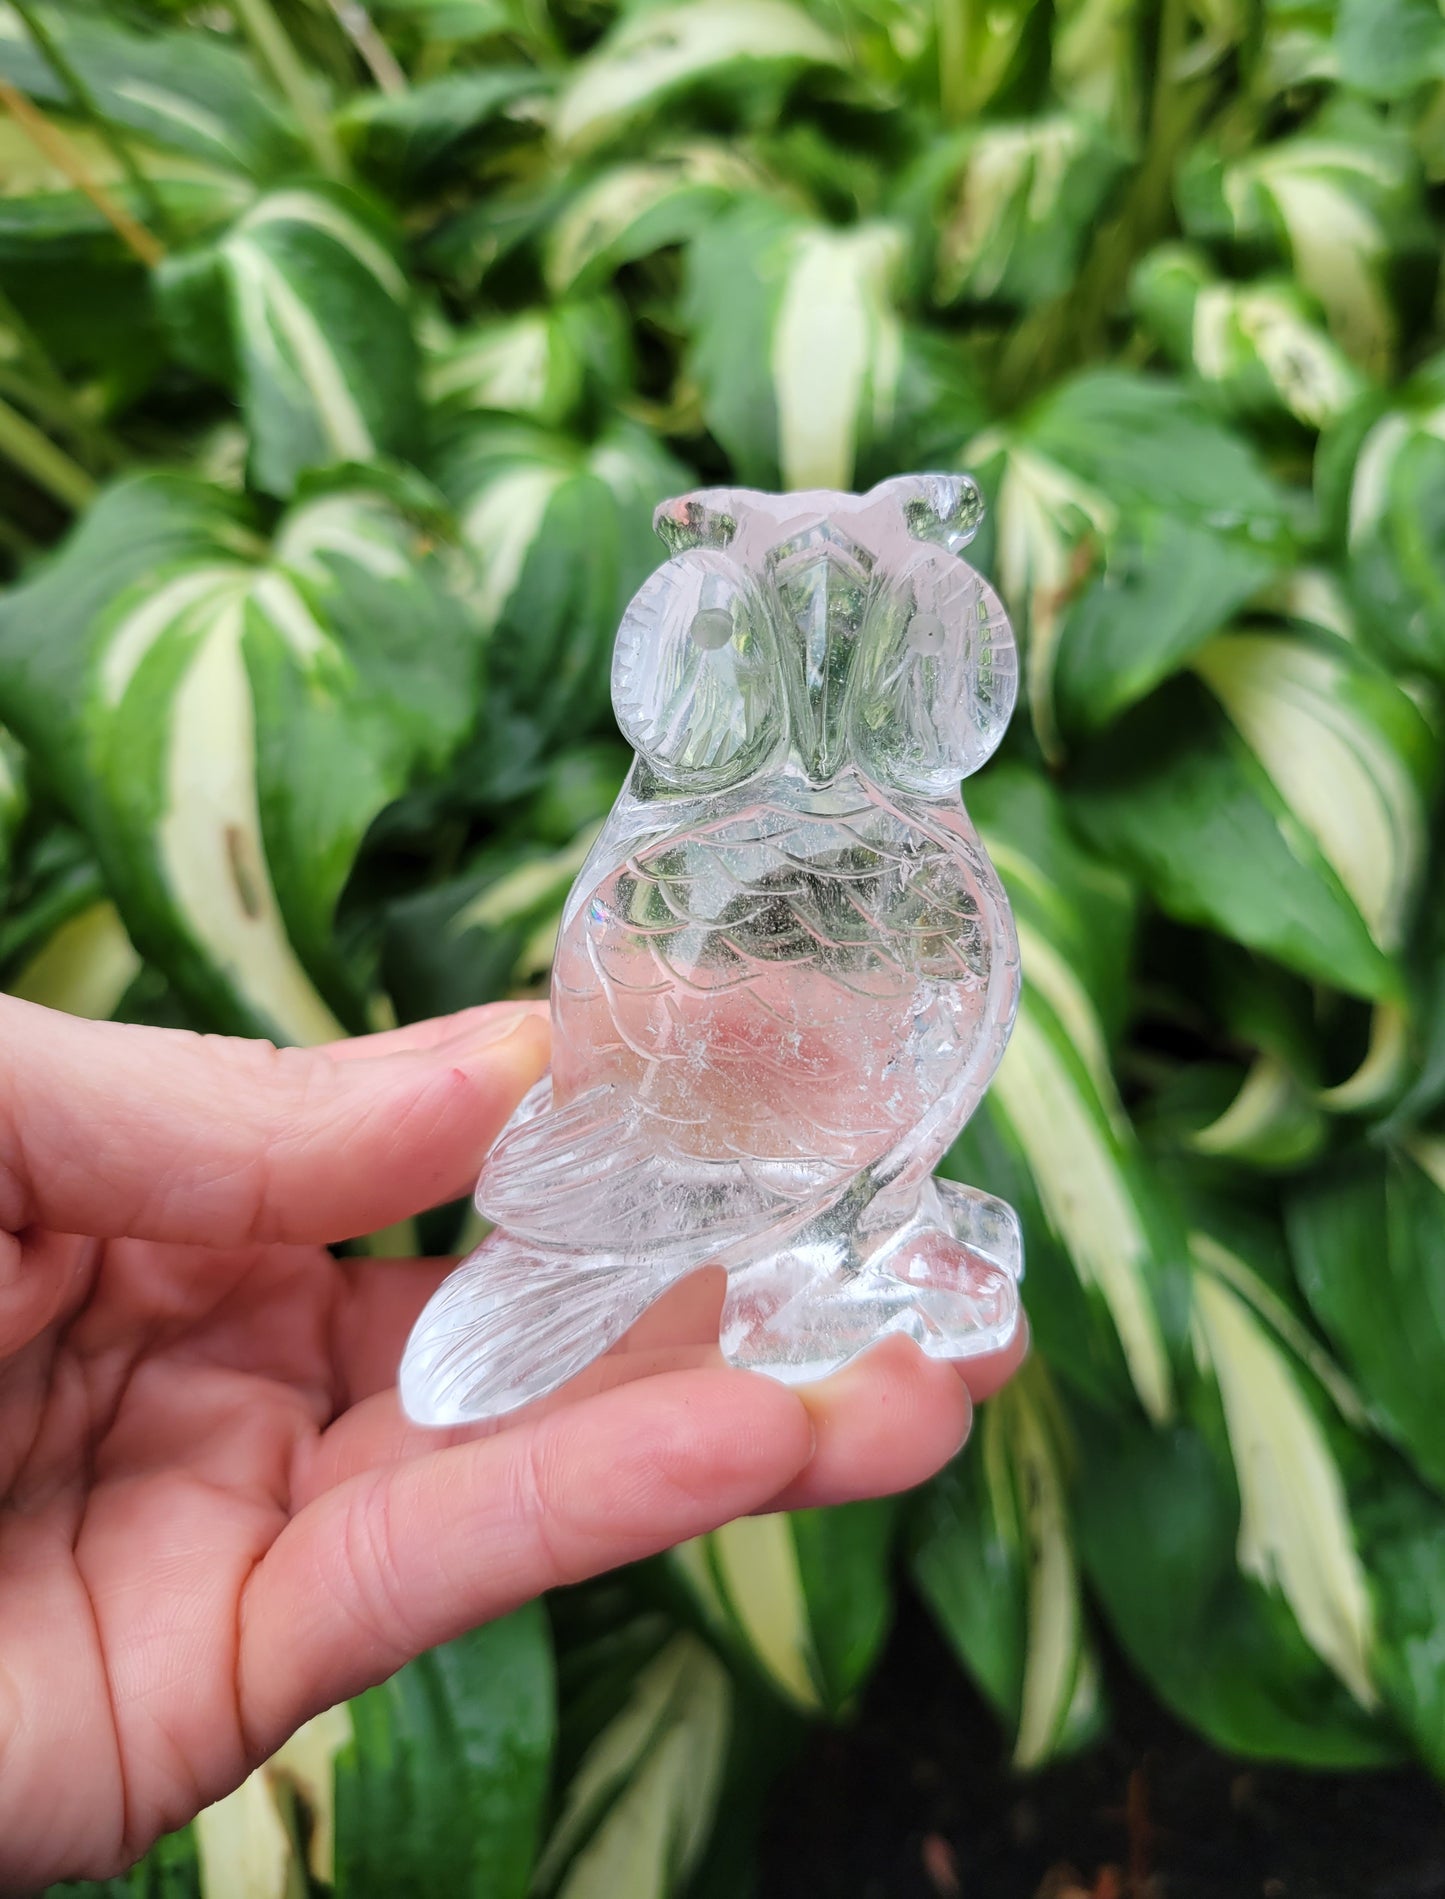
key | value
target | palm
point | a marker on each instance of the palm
(214, 1520)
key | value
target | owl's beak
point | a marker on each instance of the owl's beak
(823, 585)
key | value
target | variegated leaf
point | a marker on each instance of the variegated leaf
(805, 1597)
(637, 1812)
(538, 363)
(1382, 480)
(656, 51)
(809, 376)
(1284, 806)
(1013, 206)
(1295, 1532)
(1128, 526)
(1105, 1254)
(1256, 347)
(634, 208)
(563, 537)
(1341, 200)
(994, 1558)
(188, 91)
(315, 311)
(192, 686)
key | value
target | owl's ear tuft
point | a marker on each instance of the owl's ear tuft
(947, 510)
(696, 520)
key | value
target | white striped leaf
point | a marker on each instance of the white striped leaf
(655, 52)
(1257, 347)
(226, 722)
(1011, 207)
(1233, 1552)
(541, 364)
(1346, 750)
(633, 209)
(1388, 475)
(1295, 1531)
(1105, 1253)
(317, 332)
(1128, 525)
(1341, 201)
(637, 1812)
(45, 219)
(808, 375)
(562, 536)
(805, 1598)
(187, 91)
(1281, 801)
(995, 1560)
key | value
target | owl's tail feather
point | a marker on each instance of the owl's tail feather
(511, 1324)
(945, 1277)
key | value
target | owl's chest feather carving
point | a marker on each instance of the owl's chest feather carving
(779, 972)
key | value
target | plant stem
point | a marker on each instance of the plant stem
(35, 455)
(38, 378)
(62, 154)
(89, 108)
(268, 36)
(357, 24)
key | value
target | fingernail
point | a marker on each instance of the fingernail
(497, 1028)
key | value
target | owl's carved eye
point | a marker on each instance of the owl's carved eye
(694, 675)
(712, 628)
(937, 680)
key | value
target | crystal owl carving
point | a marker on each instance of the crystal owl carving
(784, 975)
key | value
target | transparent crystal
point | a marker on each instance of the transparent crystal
(784, 975)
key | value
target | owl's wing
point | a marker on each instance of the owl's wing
(599, 1176)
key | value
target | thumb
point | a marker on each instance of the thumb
(109, 1129)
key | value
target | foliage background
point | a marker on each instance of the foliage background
(343, 355)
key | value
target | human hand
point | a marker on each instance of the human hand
(214, 1519)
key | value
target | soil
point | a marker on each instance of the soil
(915, 1800)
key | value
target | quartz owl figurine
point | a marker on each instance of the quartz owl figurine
(784, 975)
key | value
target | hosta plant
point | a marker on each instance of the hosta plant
(344, 353)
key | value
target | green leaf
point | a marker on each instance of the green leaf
(183, 91)
(442, 1788)
(487, 933)
(563, 538)
(805, 1598)
(1340, 201)
(320, 332)
(183, 687)
(1011, 207)
(1285, 807)
(995, 1560)
(638, 1811)
(1105, 489)
(1390, 48)
(412, 140)
(13, 801)
(541, 364)
(654, 52)
(803, 361)
(1368, 1242)
(48, 225)
(1257, 348)
(1158, 1525)
(1391, 511)
(633, 209)
(1105, 1252)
